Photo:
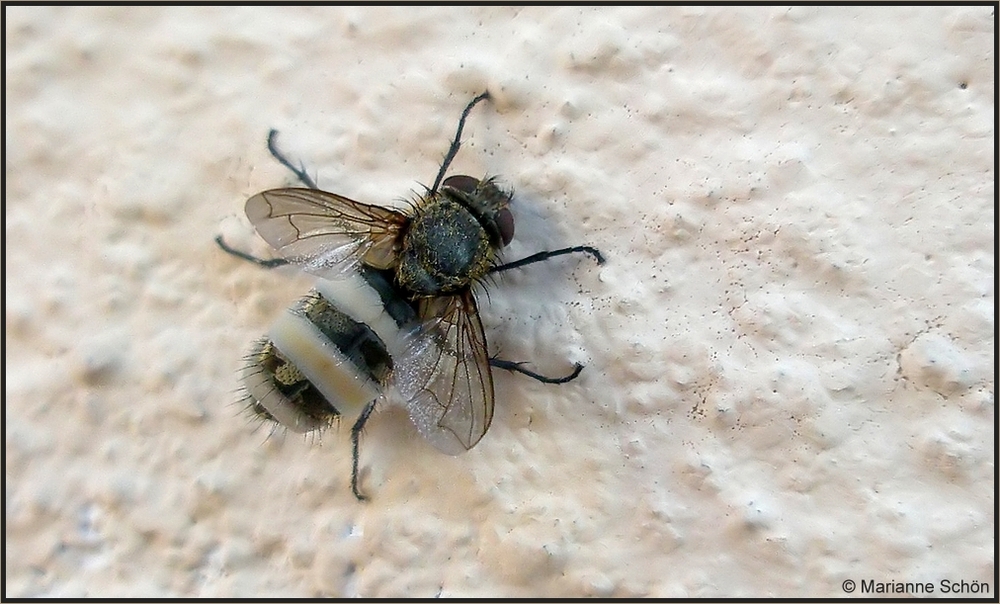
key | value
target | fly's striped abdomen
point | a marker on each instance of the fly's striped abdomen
(330, 354)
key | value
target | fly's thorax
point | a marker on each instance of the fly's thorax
(445, 248)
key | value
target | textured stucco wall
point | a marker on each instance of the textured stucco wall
(789, 353)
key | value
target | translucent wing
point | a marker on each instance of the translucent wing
(323, 232)
(445, 377)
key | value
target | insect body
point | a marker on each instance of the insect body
(393, 311)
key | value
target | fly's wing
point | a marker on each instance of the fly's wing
(444, 377)
(325, 233)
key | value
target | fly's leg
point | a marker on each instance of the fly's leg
(541, 256)
(455, 144)
(515, 366)
(299, 172)
(262, 262)
(355, 442)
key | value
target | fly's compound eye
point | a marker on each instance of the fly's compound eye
(505, 223)
(465, 184)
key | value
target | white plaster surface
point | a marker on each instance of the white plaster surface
(789, 354)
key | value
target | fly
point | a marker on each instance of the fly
(393, 309)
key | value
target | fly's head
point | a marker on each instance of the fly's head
(487, 202)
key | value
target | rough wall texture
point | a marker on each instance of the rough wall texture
(789, 352)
